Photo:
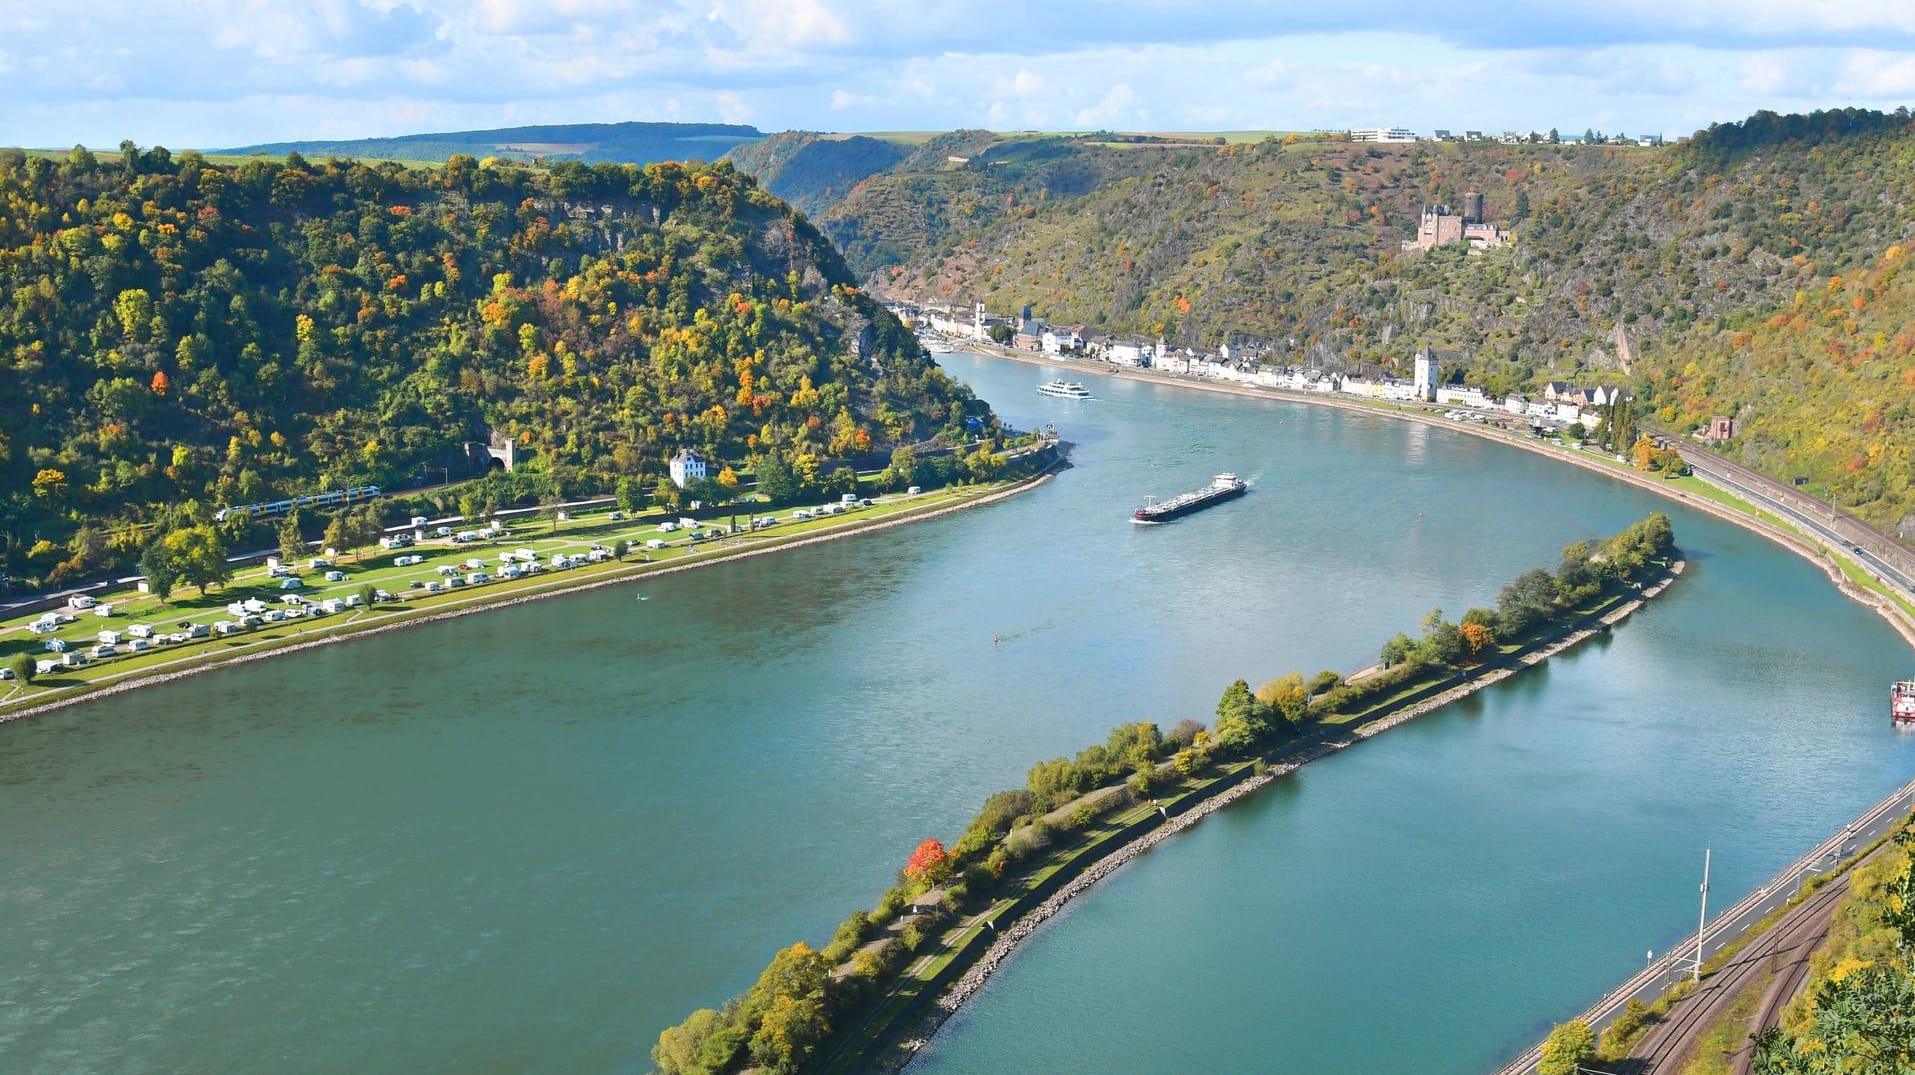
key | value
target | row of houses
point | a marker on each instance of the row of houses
(1558, 402)
(1508, 138)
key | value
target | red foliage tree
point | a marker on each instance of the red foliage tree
(928, 862)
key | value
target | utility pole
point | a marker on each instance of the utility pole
(1702, 922)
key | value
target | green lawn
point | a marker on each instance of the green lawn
(376, 568)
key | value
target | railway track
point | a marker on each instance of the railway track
(1782, 951)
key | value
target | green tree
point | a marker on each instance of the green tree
(1242, 720)
(162, 571)
(630, 494)
(840, 481)
(198, 555)
(775, 481)
(701, 1045)
(24, 667)
(1398, 649)
(291, 545)
(1526, 603)
(1568, 1047)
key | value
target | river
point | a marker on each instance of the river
(530, 839)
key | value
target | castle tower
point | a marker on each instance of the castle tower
(1472, 208)
(1426, 375)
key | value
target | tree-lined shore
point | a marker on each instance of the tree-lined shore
(830, 1008)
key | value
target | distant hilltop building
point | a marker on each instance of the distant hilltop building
(1440, 227)
(1382, 134)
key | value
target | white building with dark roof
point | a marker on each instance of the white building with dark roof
(687, 467)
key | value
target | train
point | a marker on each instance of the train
(269, 508)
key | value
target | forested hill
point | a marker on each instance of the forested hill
(1723, 261)
(812, 171)
(177, 336)
(618, 143)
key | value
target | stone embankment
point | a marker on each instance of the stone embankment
(1027, 925)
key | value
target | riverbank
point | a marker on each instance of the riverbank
(892, 1049)
(1829, 559)
(373, 621)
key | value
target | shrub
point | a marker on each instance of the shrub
(853, 931)
(889, 904)
(1324, 681)
(976, 841)
(1141, 782)
(1001, 811)
(1184, 733)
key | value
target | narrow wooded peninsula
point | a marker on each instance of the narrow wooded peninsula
(861, 1000)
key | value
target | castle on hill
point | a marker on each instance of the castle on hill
(1440, 227)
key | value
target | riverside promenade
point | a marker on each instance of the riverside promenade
(1678, 963)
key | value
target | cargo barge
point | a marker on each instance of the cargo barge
(1221, 488)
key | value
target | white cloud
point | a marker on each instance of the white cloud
(226, 72)
(1269, 76)
(731, 107)
(1113, 109)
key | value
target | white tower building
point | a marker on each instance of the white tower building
(1426, 375)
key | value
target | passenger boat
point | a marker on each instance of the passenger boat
(1221, 488)
(1064, 390)
(937, 345)
(1901, 702)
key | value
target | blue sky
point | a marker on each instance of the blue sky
(212, 73)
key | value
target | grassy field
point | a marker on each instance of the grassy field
(376, 569)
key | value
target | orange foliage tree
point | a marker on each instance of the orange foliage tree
(1475, 636)
(160, 384)
(928, 863)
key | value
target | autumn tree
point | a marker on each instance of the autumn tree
(1568, 1047)
(1475, 637)
(928, 863)
(1287, 696)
